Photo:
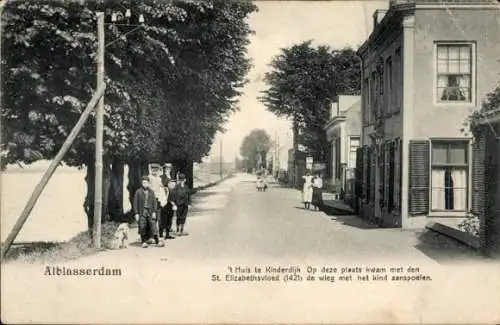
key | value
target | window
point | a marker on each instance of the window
(389, 93)
(398, 79)
(454, 72)
(374, 94)
(449, 175)
(353, 147)
(366, 99)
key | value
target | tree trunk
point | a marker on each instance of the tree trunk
(115, 200)
(190, 173)
(185, 166)
(106, 188)
(88, 204)
(134, 180)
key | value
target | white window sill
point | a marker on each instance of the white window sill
(454, 104)
(448, 214)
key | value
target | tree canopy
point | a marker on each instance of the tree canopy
(254, 148)
(304, 81)
(171, 83)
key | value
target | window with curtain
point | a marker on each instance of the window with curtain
(454, 72)
(449, 175)
(353, 147)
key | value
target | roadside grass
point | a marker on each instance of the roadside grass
(77, 247)
(52, 252)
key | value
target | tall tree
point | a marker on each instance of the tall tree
(254, 148)
(304, 81)
(170, 84)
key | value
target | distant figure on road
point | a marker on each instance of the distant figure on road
(261, 184)
(307, 190)
(180, 203)
(145, 212)
(317, 197)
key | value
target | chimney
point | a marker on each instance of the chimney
(378, 15)
(334, 110)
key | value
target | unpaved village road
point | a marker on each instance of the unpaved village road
(250, 257)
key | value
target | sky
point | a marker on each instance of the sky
(280, 24)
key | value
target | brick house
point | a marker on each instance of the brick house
(343, 132)
(486, 176)
(426, 65)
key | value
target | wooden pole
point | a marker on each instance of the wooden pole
(99, 134)
(50, 171)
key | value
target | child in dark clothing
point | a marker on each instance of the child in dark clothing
(145, 212)
(180, 202)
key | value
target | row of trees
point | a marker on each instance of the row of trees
(302, 84)
(171, 84)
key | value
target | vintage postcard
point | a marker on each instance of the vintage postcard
(250, 162)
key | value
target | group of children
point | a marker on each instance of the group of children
(155, 204)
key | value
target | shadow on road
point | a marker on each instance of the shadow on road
(444, 249)
(354, 221)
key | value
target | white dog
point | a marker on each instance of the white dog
(120, 239)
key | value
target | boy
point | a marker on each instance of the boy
(167, 212)
(180, 203)
(145, 212)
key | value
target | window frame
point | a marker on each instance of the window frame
(467, 167)
(389, 84)
(473, 77)
(398, 80)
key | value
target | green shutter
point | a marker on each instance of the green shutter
(419, 177)
(478, 176)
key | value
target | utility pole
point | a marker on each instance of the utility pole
(99, 133)
(220, 160)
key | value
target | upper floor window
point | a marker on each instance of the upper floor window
(454, 72)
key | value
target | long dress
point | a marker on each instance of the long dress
(307, 190)
(317, 197)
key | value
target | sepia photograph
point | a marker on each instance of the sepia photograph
(250, 161)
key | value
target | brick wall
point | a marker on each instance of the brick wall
(492, 176)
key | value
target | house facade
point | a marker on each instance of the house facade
(426, 65)
(343, 132)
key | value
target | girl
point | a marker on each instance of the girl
(307, 190)
(317, 197)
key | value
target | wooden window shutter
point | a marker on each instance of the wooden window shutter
(359, 173)
(382, 185)
(398, 174)
(478, 176)
(419, 177)
(366, 175)
(373, 164)
(390, 181)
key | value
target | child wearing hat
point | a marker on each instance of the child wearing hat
(167, 212)
(181, 201)
(144, 207)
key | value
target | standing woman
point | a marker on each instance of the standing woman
(317, 197)
(307, 190)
